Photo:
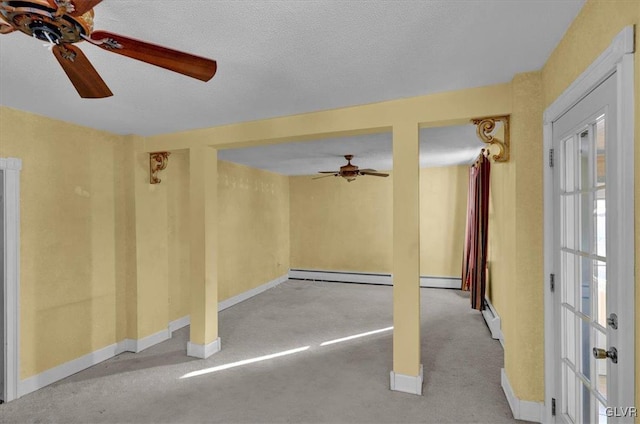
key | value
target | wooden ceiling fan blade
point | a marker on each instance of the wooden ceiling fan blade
(5, 27)
(324, 176)
(375, 174)
(183, 63)
(82, 6)
(52, 4)
(368, 170)
(82, 74)
(328, 172)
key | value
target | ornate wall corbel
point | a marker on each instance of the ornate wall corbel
(157, 162)
(485, 127)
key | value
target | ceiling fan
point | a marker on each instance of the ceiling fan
(349, 172)
(61, 23)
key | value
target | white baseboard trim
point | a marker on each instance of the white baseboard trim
(126, 345)
(59, 372)
(203, 351)
(370, 278)
(441, 282)
(179, 323)
(250, 293)
(493, 321)
(54, 374)
(521, 409)
(407, 383)
(153, 339)
(340, 276)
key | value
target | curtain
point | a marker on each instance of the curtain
(474, 261)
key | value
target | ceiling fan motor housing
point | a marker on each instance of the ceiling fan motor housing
(37, 19)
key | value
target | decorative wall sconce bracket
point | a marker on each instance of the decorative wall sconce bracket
(157, 162)
(485, 127)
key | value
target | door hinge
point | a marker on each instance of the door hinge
(550, 158)
(553, 407)
(552, 282)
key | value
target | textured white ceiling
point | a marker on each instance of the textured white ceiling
(284, 57)
(440, 146)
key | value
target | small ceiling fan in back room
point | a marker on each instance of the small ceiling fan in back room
(62, 23)
(349, 172)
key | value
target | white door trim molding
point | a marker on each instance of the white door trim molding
(11, 168)
(597, 72)
(618, 58)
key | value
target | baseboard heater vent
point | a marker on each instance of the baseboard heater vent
(493, 321)
(369, 278)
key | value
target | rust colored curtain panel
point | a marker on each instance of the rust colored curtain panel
(474, 262)
(468, 243)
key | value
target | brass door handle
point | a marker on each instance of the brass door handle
(604, 354)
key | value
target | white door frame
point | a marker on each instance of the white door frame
(11, 168)
(618, 58)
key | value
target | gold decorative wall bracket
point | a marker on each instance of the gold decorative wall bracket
(157, 162)
(486, 128)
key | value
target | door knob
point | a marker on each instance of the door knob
(604, 354)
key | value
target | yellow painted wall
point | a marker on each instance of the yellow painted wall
(341, 226)
(94, 267)
(448, 108)
(253, 209)
(443, 206)
(502, 241)
(125, 229)
(524, 355)
(253, 231)
(176, 178)
(68, 237)
(152, 250)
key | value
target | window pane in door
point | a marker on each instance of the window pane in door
(586, 354)
(586, 283)
(600, 270)
(569, 379)
(602, 413)
(586, 405)
(600, 223)
(569, 345)
(570, 278)
(600, 151)
(569, 213)
(586, 222)
(584, 158)
(569, 165)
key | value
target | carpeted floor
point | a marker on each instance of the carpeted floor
(346, 382)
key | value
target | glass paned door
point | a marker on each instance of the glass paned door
(581, 139)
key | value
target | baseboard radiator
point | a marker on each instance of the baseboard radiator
(369, 278)
(493, 321)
